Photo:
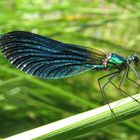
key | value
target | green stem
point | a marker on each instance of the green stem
(86, 122)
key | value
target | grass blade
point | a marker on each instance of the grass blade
(83, 123)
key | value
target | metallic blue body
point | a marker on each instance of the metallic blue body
(116, 61)
(47, 58)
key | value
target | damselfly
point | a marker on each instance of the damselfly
(47, 58)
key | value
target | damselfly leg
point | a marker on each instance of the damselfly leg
(119, 88)
(127, 76)
(122, 78)
(111, 77)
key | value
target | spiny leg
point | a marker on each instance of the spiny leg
(124, 92)
(126, 71)
(136, 73)
(122, 78)
(111, 77)
(109, 80)
(101, 78)
(127, 76)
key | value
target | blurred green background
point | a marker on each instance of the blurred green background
(27, 102)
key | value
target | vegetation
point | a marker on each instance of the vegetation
(27, 102)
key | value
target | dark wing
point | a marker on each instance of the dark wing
(47, 58)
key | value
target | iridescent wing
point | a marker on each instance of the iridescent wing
(46, 58)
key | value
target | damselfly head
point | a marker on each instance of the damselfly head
(135, 59)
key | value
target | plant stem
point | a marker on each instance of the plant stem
(86, 122)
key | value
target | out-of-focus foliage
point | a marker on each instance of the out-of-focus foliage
(107, 25)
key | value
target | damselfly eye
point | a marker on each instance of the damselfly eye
(136, 60)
